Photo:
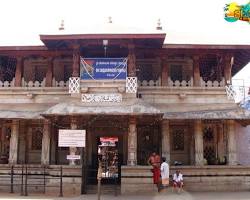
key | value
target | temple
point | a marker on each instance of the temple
(174, 99)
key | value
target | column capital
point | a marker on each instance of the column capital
(165, 122)
(131, 46)
(47, 121)
(15, 121)
(196, 57)
(19, 58)
(132, 120)
(50, 59)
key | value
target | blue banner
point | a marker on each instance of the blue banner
(103, 68)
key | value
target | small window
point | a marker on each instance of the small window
(40, 72)
(67, 72)
(178, 140)
(37, 140)
(145, 72)
(176, 72)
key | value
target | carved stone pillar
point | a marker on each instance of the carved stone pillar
(164, 73)
(131, 61)
(72, 150)
(49, 73)
(14, 142)
(196, 71)
(132, 142)
(231, 143)
(227, 69)
(165, 135)
(198, 142)
(76, 62)
(45, 158)
(220, 141)
(18, 73)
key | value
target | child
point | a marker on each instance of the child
(178, 180)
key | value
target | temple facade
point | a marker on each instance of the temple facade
(175, 99)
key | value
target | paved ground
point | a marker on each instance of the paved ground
(163, 196)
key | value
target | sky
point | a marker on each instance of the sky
(193, 21)
(185, 22)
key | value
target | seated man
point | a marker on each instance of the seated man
(178, 180)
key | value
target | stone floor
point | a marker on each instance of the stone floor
(169, 196)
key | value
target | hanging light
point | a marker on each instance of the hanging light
(105, 45)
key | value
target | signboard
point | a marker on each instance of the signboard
(92, 98)
(72, 138)
(103, 68)
(73, 157)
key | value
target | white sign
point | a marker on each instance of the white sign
(73, 157)
(72, 138)
(91, 98)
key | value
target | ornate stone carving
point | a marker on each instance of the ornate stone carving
(92, 98)
(74, 85)
(131, 85)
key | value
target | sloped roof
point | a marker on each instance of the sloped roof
(135, 107)
(22, 110)
(209, 114)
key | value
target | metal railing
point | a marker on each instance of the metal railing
(26, 177)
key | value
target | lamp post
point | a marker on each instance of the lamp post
(105, 45)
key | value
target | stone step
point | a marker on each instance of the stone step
(105, 189)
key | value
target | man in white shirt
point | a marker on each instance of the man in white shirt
(164, 173)
(178, 180)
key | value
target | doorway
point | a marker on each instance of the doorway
(109, 150)
(108, 156)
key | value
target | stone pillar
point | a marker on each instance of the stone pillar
(220, 141)
(231, 143)
(131, 61)
(45, 158)
(164, 73)
(72, 150)
(227, 69)
(49, 73)
(14, 142)
(76, 62)
(198, 142)
(18, 73)
(132, 142)
(196, 71)
(165, 138)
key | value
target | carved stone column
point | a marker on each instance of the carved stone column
(72, 150)
(220, 141)
(132, 142)
(45, 158)
(198, 142)
(76, 62)
(165, 135)
(18, 73)
(231, 143)
(49, 73)
(227, 69)
(131, 61)
(164, 72)
(14, 142)
(196, 71)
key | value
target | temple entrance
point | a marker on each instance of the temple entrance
(109, 150)
(108, 156)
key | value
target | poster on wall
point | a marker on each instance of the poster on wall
(71, 138)
(103, 68)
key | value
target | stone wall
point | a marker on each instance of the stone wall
(208, 178)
